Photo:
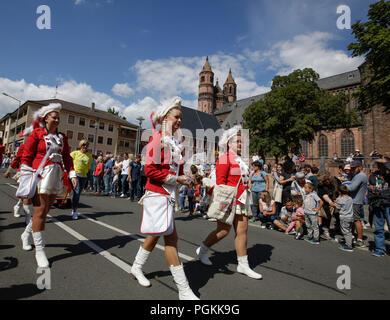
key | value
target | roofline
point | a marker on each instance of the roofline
(42, 104)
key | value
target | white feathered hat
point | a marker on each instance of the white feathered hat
(38, 116)
(158, 115)
(228, 135)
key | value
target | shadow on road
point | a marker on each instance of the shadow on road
(82, 247)
(16, 292)
(6, 246)
(93, 215)
(12, 263)
(18, 225)
(198, 274)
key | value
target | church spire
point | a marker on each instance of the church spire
(230, 88)
(230, 78)
(207, 66)
(206, 101)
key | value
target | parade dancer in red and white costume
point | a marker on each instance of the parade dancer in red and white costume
(230, 169)
(26, 203)
(45, 136)
(12, 169)
(164, 171)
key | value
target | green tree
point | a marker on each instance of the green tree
(294, 110)
(373, 41)
(113, 111)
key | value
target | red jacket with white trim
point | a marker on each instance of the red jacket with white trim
(35, 149)
(157, 165)
(18, 159)
(228, 173)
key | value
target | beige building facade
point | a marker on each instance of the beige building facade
(106, 132)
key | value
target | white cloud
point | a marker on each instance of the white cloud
(122, 90)
(77, 2)
(141, 108)
(311, 51)
(180, 75)
(168, 77)
(72, 91)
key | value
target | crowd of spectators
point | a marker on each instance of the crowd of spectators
(122, 176)
(296, 198)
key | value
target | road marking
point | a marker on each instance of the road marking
(87, 242)
(118, 262)
(134, 236)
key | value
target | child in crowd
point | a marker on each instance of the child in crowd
(312, 205)
(299, 213)
(115, 183)
(299, 217)
(267, 208)
(345, 204)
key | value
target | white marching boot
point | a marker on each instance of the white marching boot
(243, 267)
(25, 237)
(136, 269)
(185, 292)
(29, 211)
(202, 255)
(40, 256)
(17, 209)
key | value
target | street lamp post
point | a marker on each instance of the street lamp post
(17, 118)
(140, 119)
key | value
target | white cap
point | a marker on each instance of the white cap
(158, 115)
(40, 114)
(228, 135)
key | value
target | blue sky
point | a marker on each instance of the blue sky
(133, 54)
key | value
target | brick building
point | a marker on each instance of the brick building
(370, 134)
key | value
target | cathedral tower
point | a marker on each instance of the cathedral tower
(219, 97)
(206, 101)
(230, 88)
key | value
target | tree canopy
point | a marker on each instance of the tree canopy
(293, 111)
(373, 41)
(113, 111)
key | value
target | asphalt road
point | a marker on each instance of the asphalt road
(91, 257)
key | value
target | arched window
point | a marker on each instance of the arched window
(347, 143)
(304, 147)
(202, 79)
(230, 90)
(322, 146)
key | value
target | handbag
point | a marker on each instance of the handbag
(277, 193)
(157, 215)
(29, 179)
(223, 207)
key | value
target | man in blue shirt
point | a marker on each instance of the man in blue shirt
(107, 177)
(135, 178)
(357, 189)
